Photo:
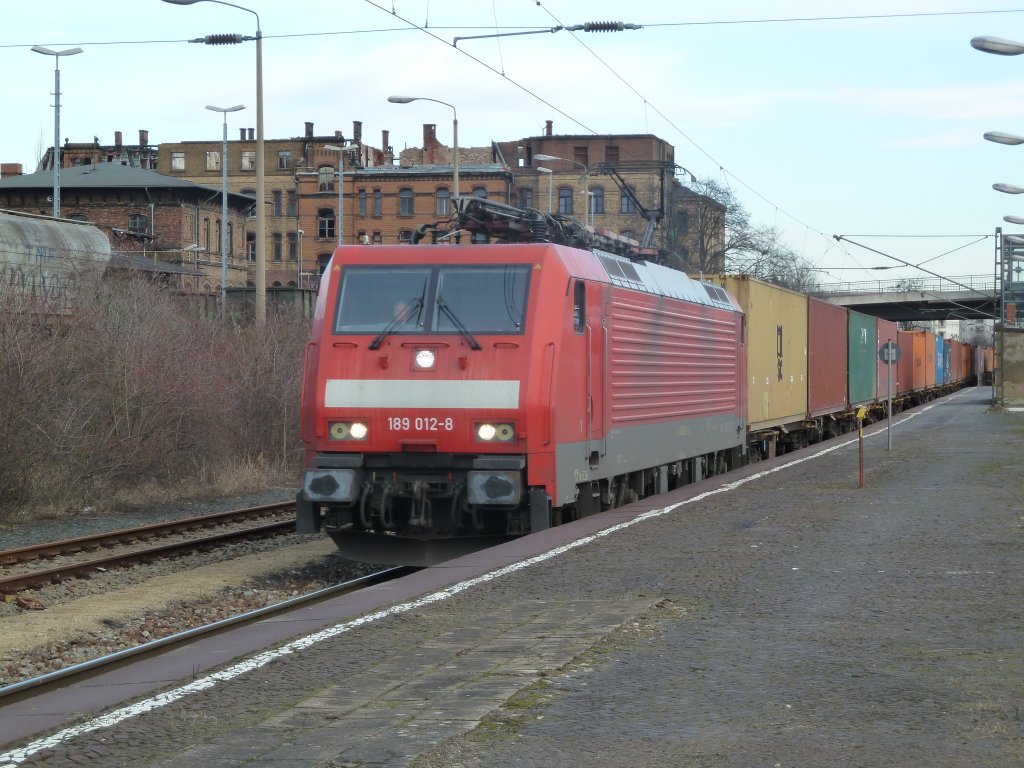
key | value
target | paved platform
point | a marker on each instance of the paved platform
(779, 616)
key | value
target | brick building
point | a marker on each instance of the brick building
(141, 155)
(587, 177)
(619, 182)
(155, 222)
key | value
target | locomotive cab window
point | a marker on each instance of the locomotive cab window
(439, 299)
(579, 306)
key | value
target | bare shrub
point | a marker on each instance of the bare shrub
(135, 391)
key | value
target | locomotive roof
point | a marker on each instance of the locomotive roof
(662, 281)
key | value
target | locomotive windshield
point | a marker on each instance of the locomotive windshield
(476, 299)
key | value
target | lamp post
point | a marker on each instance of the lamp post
(583, 178)
(455, 133)
(341, 183)
(224, 207)
(261, 180)
(1002, 47)
(56, 118)
(549, 172)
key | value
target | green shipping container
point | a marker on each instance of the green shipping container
(862, 369)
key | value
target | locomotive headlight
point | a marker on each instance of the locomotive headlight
(348, 430)
(425, 359)
(496, 433)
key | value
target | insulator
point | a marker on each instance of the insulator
(223, 39)
(604, 26)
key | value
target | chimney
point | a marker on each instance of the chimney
(357, 131)
(384, 142)
(547, 127)
(309, 130)
(10, 169)
(241, 134)
(143, 137)
(117, 138)
(252, 134)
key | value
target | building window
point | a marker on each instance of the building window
(217, 248)
(83, 217)
(579, 154)
(206, 234)
(293, 247)
(213, 161)
(276, 197)
(626, 206)
(683, 222)
(248, 161)
(377, 239)
(611, 154)
(405, 236)
(231, 238)
(137, 222)
(276, 237)
(378, 203)
(325, 178)
(480, 192)
(564, 200)
(284, 160)
(177, 161)
(405, 202)
(524, 197)
(597, 200)
(362, 202)
(441, 198)
(325, 223)
(250, 246)
(362, 238)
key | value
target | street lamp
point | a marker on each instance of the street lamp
(549, 172)
(455, 133)
(583, 178)
(341, 183)
(997, 45)
(261, 181)
(56, 118)
(224, 207)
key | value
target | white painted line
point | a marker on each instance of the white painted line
(16, 756)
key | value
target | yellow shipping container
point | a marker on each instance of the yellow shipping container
(776, 346)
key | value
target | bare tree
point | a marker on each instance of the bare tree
(725, 238)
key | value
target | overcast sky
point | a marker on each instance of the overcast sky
(869, 128)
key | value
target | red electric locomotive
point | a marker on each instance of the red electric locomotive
(459, 394)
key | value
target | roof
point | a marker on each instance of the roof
(429, 170)
(110, 176)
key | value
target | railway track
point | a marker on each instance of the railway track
(20, 569)
(65, 677)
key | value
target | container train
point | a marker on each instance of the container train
(457, 395)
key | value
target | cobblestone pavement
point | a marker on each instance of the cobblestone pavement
(794, 620)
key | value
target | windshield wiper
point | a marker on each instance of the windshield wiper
(400, 319)
(473, 343)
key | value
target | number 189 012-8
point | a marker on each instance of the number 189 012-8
(420, 424)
